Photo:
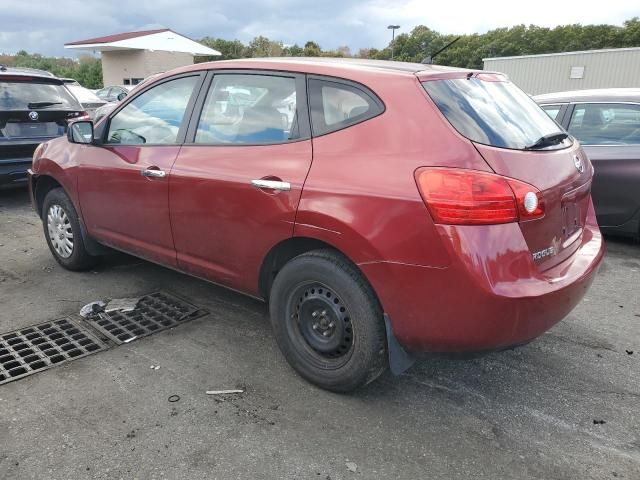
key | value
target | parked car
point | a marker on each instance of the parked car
(34, 107)
(114, 93)
(70, 81)
(404, 208)
(89, 100)
(607, 124)
(107, 108)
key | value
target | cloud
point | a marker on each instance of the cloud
(44, 26)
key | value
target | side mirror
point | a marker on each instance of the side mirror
(121, 96)
(80, 132)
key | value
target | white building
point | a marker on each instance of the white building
(556, 72)
(128, 58)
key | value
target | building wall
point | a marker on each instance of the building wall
(120, 64)
(537, 74)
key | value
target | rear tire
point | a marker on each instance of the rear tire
(328, 322)
(63, 233)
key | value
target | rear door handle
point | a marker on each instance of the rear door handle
(153, 172)
(271, 185)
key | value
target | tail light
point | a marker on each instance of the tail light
(470, 197)
(74, 117)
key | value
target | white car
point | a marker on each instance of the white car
(89, 100)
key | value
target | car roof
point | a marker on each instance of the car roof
(124, 87)
(593, 95)
(26, 72)
(326, 65)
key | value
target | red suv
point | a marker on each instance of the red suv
(381, 208)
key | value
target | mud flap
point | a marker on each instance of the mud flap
(399, 359)
(93, 248)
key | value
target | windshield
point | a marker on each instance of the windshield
(495, 113)
(83, 95)
(17, 95)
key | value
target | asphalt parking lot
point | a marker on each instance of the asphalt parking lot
(566, 406)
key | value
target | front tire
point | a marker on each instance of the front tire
(328, 322)
(62, 232)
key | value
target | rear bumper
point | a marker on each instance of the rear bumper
(490, 297)
(14, 170)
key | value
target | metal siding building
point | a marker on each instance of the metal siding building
(556, 72)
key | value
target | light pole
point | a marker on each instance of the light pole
(393, 29)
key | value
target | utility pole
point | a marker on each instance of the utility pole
(393, 29)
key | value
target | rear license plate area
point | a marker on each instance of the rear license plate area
(574, 210)
(28, 130)
(571, 219)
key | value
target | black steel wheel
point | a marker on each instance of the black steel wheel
(320, 324)
(328, 321)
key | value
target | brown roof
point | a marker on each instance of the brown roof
(117, 37)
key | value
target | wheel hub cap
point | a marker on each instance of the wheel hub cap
(60, 232)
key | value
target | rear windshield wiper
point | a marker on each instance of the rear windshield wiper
(42, 104)
(547, 141)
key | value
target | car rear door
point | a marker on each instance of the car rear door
(123, 182)
(235, 186)
(610, 135)
(508, 129)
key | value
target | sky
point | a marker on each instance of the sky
(43, 26)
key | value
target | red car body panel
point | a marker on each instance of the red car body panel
(500, 297)
(110, 184)
(443, 287)
(223, 226)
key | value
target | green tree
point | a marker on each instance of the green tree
(229, 49)
(312, 49)
(294, 50)
(263, 47)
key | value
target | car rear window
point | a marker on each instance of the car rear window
(490, 112)
(19, 94)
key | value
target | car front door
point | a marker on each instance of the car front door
(610, 135)
(235, 186)
(123, 182)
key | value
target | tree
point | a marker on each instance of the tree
(312, 49)
(87, 70)
(229, 49)
(294, 50)
(263, 47)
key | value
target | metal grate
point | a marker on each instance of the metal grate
(153, 313)
(31, 350)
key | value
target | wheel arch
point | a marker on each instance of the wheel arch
(290, 248)
(399, 359)
(41, 186)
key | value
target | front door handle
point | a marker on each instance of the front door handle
(271, 185)
(153, 172)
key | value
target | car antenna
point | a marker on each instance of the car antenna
(429, 60)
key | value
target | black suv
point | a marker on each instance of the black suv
(35, 107)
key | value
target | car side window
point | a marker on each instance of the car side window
(155, 116)
(103, 93)
(606, 123)
(336, 105)
(249, 109)
(552, 110)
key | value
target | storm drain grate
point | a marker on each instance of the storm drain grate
(153, 313)
(33, 349)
